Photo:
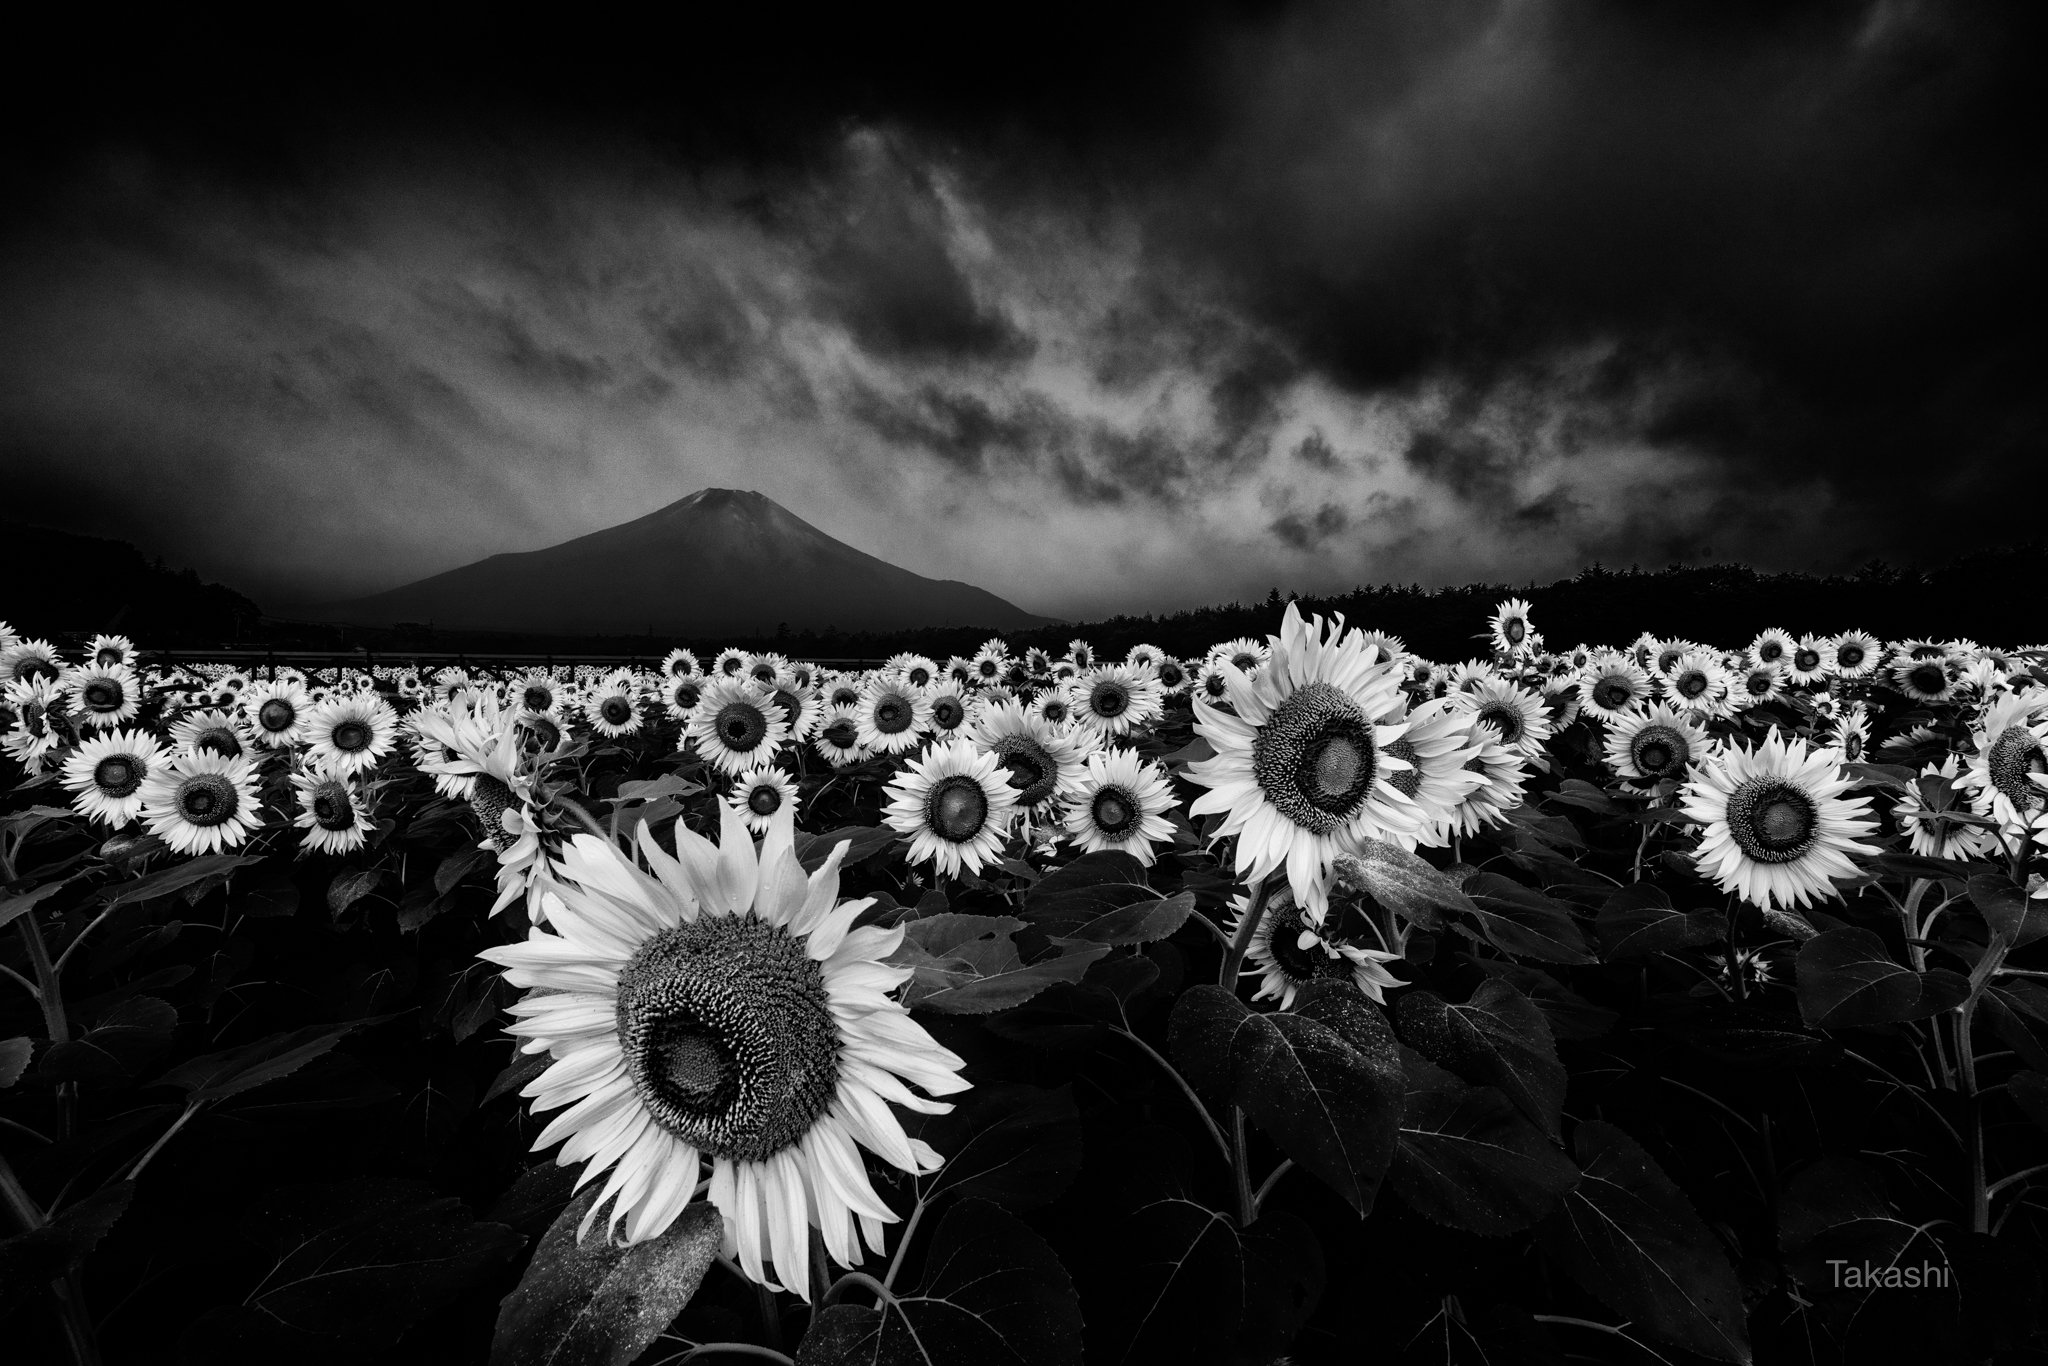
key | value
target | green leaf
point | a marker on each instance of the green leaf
(1498, 1038)
(993, 1294)
(1017, 1145)
(1194, 1287)
(14, 907)
(175, 878)
(1846, 978)
(1630, 1237)
(1639, 921)
(2006, 909)
(42, 1255)
(970, 964)
(595, 1303)
(1523, 923)
(1400, 881)
(359, 1260)
(350, 887)
(14, 1056)
(1469, 1159)
(649, 789)
(1331, 1105)
(1141, 922)
(130, 1034)
(863, 842)
(450, 872)
(1089, 888)
(216, 1076)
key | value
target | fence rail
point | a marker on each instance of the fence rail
(490, 662)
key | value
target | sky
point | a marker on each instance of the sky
(1102, 315)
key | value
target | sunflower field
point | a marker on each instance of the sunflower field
(1311, 1001)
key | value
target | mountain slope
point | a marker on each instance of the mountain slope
(719, 562)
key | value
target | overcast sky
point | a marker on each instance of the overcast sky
(1098, 317)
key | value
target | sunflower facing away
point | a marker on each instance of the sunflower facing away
(725, 1010)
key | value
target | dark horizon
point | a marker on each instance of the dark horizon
(1120, 314)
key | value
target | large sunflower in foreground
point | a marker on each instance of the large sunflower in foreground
(1301, 768)
(725, 1008)
(1778, 829)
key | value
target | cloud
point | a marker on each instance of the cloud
(1417, 292)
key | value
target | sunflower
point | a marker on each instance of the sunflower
(25, 661)
(961, 671)
(1514, 714)
(1808, 662)
(894, 717)
(277, 713)
(947, 705)
(201, 802)
(734, 727)
(1665, 654)
(539, 693)
(1119, 802)
(838, 738)
(106, 774)
(1772, 646)
(1144, 656)
(1508, 627)
(1038, 664)
(1469, 675)
(955, 804)
(1042, 758)
(1613, 685)
(103, 695)
(1300, 767)
(1391, 648)
(1244, 654)
(843, 690)
(1851, 732)
(1437, 743)
(36, 705)
(763, 668)
(485, 745)
(1926, 813)
(212, 729)
(1211, 686)
(1778, 829)
(725, 1007)
(1756, 685)
(614, 709)
(1288, 951)
(680, 695)
(1854, 654)
(1080, 654)
(797, 701)
(920, 671)
(1697, 682)
(332, 812)
(990, 661)
(730, 663)
(1115, 699)
(1502, 775)
(2009, 743)
(1660, 743)
(1924, 678)
(758, 794)
(348, 735)
(1172, 676)
(679, 663)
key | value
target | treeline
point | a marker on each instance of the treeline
(64, 584)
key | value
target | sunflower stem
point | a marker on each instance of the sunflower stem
(1234, 955)
(771, 1317)
(68, 1290)
(1208, 1120)
(1247, 1203)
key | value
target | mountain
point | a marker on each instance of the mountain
(721, 562)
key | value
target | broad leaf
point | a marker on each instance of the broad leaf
(114, 1049)
(350, 887)
(1498, 1038)
(41, 1255)
(216, 1076)
(1141, 922)
(1331, 1106)
(1093, 885)
(862, 842)
(597, 1303)
(993, 1293)
(14, 1056)
(1639, 920)
(14, 907)
(970, 964)
(1197, 1288)
(1017, 1145)
(1846, 978)
(1469, 1159)
(175, 878)
(1630, 1237)
(1400, 881)
(1523, 923)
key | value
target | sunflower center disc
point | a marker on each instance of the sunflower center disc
(332, 809)
(1759, 684)
(741, 727)
(1313, 759)
(206, 799)
(2015, 754)
(1849, 656)
(1656, 757)
(537, 699)
(221, 741)
(1806, 660)
(728, 1035)
(1772, 821)
(686, 695)
(1503, 718)
(1515, 631)
(1108, 700)
(1113, 812)
(1301, 965)
(116, 776)
(919, 677)
(1772, 650)
(107, 659)
(1692, 684)
(1244, 663)
(1929, 678)
(276, 714)
(891, 716)
(617, 710)
(102, 696)
(1613, 693)
(957, 808)
(947, 714)
(351, 736)
(840, 735)
(764, 800)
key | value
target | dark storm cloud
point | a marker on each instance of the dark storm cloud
(1480, 289)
